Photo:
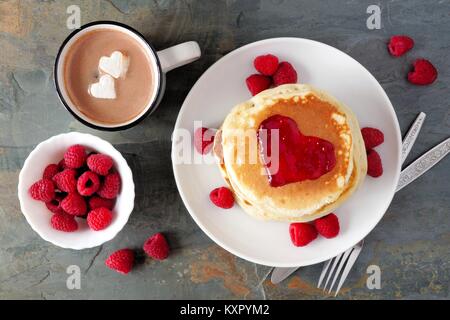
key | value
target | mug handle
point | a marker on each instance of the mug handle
(179, 55)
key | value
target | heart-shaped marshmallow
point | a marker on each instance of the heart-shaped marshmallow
(104, 88)
(115, 65)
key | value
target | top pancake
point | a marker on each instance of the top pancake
(316, 114)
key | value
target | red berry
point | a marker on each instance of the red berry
(100, 163)
(327, 226)
(110, 186)
(222, 197)
(374, 165)
(42, 190)
(75, 156)
(64, 222)
(424, 73)
(66, 180)
(257, 83)
(62, 165)
(74, 204)
(372, 137)
(399, 45)
(88, 183)
(121, 261)
(266, 64)
(302, 233)
(97, 202)
(99, 219)
(157, 247)
(285, 74)
(50, 171)
(55, 204)
(203, 139)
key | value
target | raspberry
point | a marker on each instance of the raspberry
(50, 171)
(424, 73)
(110, 186)
(121, 261)
(88, 183)
(203, 139)
(62, 165)
(97, 202)
(66, 180)
(327, 226)
(55, 204)
(43, 190)
(399, 45)
(302, 233)
(285, 74)
(257, 83)
(99, 219)
(74, 204)
(266, 64)
(157, 247)
(75, 156)
(372, 137)
(374, 165)
(64, 222)
(222, 197)
(100, 163)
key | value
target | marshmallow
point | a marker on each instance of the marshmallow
(115, 65)
(104, 88)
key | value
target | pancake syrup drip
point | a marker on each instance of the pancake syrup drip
(300, 157)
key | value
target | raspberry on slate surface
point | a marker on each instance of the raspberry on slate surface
(64, 222)
(222, 197)
(42, 190)
(327, 226)
(302, 233)
(266, 64)
(99, 219)
(74, 204)
(110, 186)
(66, 180)
(75, 156)
(424, 73)
(157, 247)
(100, 163)
(399, 45)
(121, 261)
(257, 83)
(88, 183)
(374, 164)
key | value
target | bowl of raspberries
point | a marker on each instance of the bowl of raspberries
(76, 190)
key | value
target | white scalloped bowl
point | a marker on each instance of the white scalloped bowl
(37, 214)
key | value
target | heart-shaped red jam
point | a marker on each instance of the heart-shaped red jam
(300, 157)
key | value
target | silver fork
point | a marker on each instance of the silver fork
(345, 261)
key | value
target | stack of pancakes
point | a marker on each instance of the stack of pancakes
(316, 114)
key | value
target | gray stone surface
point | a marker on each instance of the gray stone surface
(410, 244)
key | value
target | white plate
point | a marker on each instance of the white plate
(222, 86)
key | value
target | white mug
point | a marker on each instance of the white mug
(162, 61)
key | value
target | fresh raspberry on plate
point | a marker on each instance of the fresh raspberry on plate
(222, 197)
(285, 74)
(423, 73)
(97, 202)
(64, 222)
(374, 164)
(203, 140)
(75, 156)
(88, 183)
(54, 205)
(266, 64)
(372, 137)
(100, 163)
(121, 261)
(110, 186)
(257, 83)
(74, 204)
(50, 171)
(302, 233)
(327, 226)
(399, 45)
(42, 190)
(99, 219)
(157, 247)
(66, 180)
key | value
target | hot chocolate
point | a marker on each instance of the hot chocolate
(108, 76)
